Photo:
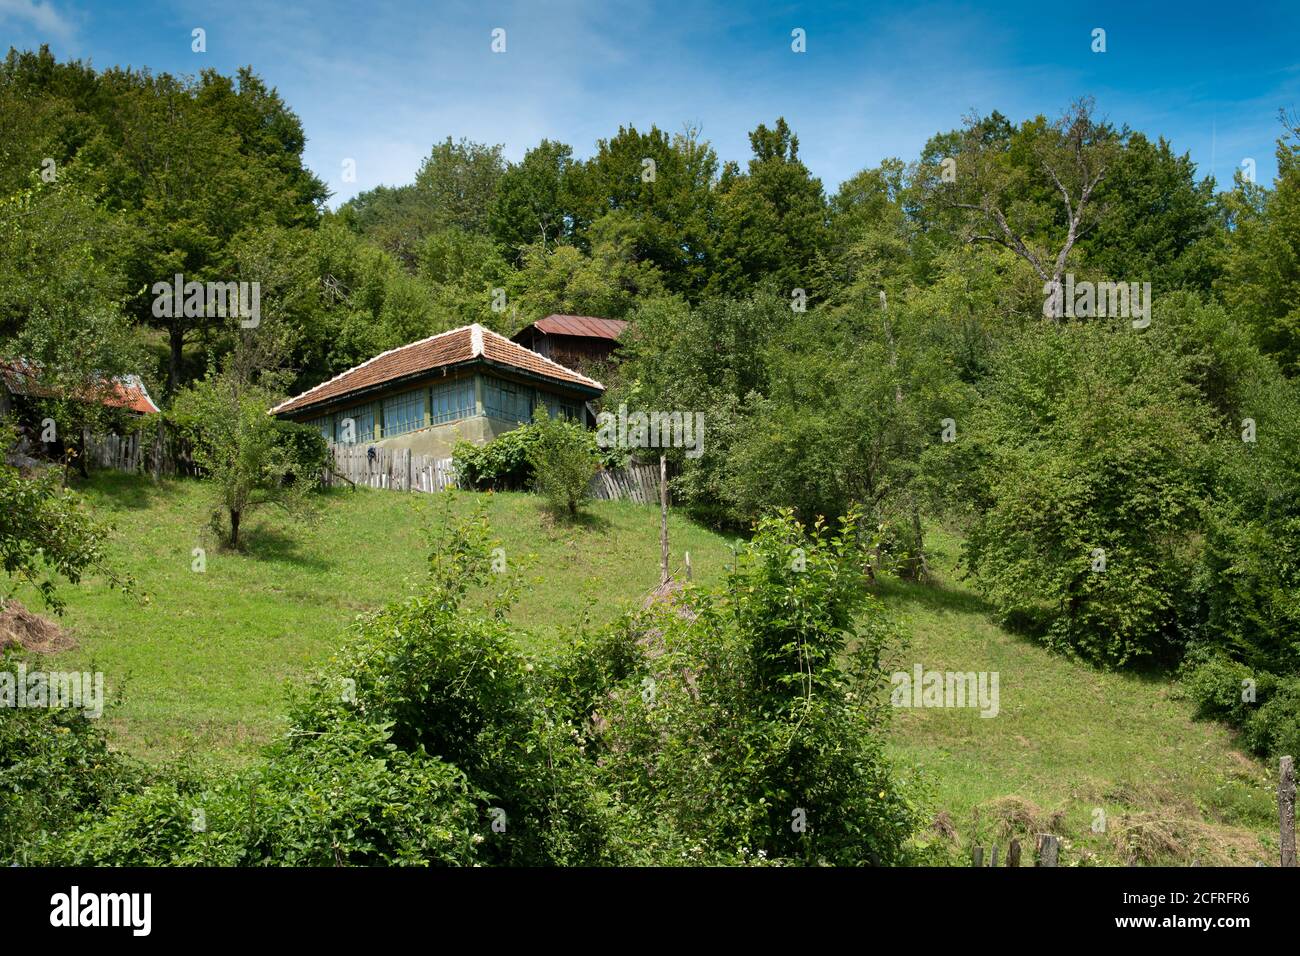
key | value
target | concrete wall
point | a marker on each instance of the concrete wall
(438, 440)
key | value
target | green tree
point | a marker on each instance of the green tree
(1261, 281)
(563, 462)
(772, 220)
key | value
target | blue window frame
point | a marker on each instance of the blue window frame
(508, 401)
(404, 413)
(363, 418)
(452, 401)
(325, 425)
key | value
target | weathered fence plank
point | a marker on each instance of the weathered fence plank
(1049, 848)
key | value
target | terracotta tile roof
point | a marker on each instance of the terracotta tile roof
(583, 325)
(466, 344)
(22, 377)
(129, 392)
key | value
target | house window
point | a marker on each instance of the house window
(508, 401)
(363, 419)
(558, 407)
(451, 401)
(403, 413)
(325, 425)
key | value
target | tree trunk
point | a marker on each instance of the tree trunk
(83, 467)
(234, 529)
(176, 341)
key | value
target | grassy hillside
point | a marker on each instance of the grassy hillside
(201, 667)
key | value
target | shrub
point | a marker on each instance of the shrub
(1091, 461)
(54, 766)
(754, 728)
(346, 797)
(563, 462)
(304, 451)
(503, 464)
(1269, 719)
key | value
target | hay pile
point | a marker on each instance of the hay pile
(21, 628)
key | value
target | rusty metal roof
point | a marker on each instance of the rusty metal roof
(583, 325)
(465, 344)
(22, 377)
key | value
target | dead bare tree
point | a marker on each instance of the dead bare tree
(1071, 156)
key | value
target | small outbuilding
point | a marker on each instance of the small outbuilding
(578, 341)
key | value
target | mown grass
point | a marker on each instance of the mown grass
(200, 669)
(1070, 741)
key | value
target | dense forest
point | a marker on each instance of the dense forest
(1124, 471)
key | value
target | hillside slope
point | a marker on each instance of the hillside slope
(200, 668)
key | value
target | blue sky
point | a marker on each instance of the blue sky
(378, 81)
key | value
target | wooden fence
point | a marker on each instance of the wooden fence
(136, 452)
(399, 469)
(639, 483)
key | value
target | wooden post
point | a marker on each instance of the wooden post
(994, 861)
(977, 856)
(1049, 848)
(1286, 809)
(688, 567)
(1013, 853)
(663, 519)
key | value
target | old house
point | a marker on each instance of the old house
(577, 341)
(468, 383)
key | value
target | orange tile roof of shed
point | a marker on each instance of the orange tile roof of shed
(437, 351)
(23, 378)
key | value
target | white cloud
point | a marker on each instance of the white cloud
(40, 16)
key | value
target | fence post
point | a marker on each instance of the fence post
(1013, 853)
(663, 519)
(1286, 809)
(1048, 849)
(977, 856)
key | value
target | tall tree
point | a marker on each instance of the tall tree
(772, 220)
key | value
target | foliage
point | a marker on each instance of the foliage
(505, 463)
(1089, 461)
(1261, 272)
(46, 533)
(563, 462)
(55, 764)
(760, 710)
(243, 451)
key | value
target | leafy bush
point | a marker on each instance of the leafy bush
(500, 465)
(304, 450)
(504, 463)
(346, 797)
(753, 729)
(54, 766)
(563, 462)
(1085, 467)
(1262, 705)
(446, 679)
